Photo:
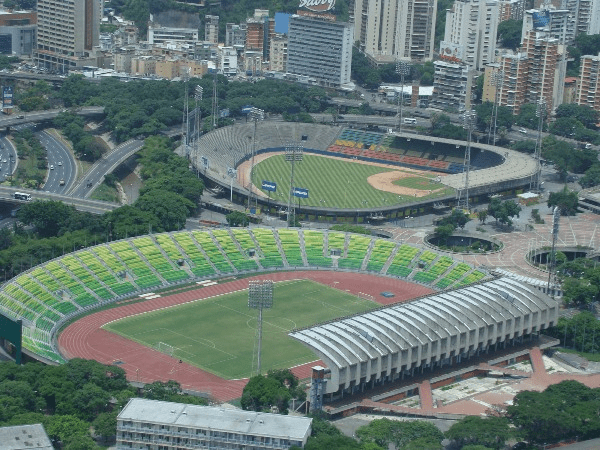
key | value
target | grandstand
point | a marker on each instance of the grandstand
(49, 295)
(437, 330)
(493, 169)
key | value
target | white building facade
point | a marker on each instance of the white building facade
(161, 35)
(320, 49)
(473, 24)
(397, 29)
(156, 425)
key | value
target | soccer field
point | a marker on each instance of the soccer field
(335, 183)
(219, 334)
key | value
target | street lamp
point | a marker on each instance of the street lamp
(402, 69)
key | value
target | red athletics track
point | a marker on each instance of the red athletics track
(86, 339)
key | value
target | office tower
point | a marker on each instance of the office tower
(68, 31)
(279, 52)
(211, 29)
(473, 24)
(320, 49)
(394, 30)
(259, 30)
(588, 90)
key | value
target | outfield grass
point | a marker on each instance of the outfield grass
(332, 183)
(218, 334)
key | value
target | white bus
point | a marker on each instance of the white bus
(410, 120)
(22, 196)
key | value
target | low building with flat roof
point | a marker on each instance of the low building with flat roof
(21, 437)
(153, 424)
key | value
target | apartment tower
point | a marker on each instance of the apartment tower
(588, 90)
(398, 29)
(473, 25)
(67, 32)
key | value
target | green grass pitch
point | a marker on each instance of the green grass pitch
(219, 334)
(332, 183)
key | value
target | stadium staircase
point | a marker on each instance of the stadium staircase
(286, 264)
(302, 247)
(203, 253)
(144, 258)
(365, 262)
(390, 260)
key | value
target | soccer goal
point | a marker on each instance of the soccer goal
(364, 296)
(165, 348)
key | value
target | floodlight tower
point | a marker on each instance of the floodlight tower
(260, 296)
(185, 123)
(402, 69)
(468, 119)
(540, 112)
(198, 91)
(497, 82)
(552, 262)
(293, 153)
(255, 114)
(215, 99)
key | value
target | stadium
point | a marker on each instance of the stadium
(353, 175)
(72, 306)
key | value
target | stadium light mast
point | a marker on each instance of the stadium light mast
(255, 114)
(402, 69)
(552, 261)
(468, 120)
(293, 153)
(198, 91)
(215, 99)
(185, 123)
(540, 112)
(260, 296)
(497, 82)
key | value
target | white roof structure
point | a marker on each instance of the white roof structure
(216, 419)
(392, 340)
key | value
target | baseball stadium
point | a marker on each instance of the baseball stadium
(353, 175)
(363, 312)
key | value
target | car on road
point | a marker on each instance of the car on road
(51, 167)
(60, 163)
(522, 130)
(21, 116)
(62, 182)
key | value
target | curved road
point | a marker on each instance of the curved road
(61, 164)
(7, 154)
(108, 163)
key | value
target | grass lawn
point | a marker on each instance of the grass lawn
(218, 334)
(331, 182)
(106, 193)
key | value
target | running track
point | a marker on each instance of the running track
(85, 338)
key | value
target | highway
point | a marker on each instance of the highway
(61, 164)
(106, 164)
(40, 116)
(8, 158)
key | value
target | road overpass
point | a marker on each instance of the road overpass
(41, 116)
(82, 204)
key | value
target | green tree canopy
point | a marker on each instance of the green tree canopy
(490, 432)
(509, 33)
(566, 200)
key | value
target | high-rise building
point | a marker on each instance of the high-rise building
(536, 73)
(228, 61)
(511, 9)
(321, 49)
(588, 90)
(392, 30)
(279, 51)
(451, 86)
(68, 31)
(584, 15)
(235, 35)
(259, 30)
(473, 24)
(557, 23)
(211, 29)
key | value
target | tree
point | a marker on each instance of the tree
(105, 425)
(169, 208)
(443, 232)
(566, 200)
(382, 432)
(591, 177)
(482, 216)
(262, 393)
(66, 428)
(48, 217)
(161, 391)
(237, 219)
(509, 33)
(490, 432)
